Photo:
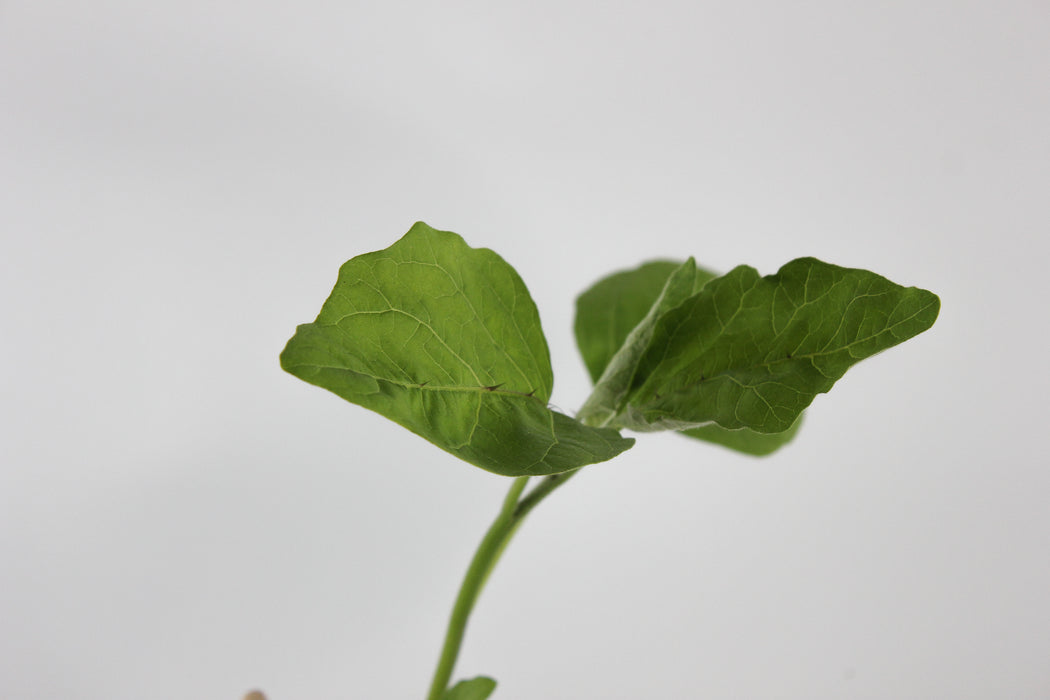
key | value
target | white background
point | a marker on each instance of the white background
(179, 182)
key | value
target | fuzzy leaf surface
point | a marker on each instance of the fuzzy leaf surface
(474, 689)
(445, 340)
(752, 352)
(608, 311)
(614, 311)
(628, 303)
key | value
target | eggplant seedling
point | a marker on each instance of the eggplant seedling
(445, 340)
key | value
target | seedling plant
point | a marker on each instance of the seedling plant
(445, 340)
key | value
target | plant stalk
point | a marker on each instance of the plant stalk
(484, 559)
(511, 515)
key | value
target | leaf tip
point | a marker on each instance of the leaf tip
(935, 304)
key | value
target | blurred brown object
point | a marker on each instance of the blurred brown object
(255, 695)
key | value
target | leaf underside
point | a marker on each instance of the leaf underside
(608, 312)
(474, 689)
(737, 360)
(745, 440)
(445, 340)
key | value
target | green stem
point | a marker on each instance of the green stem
(484, 559)
(542, 491)
(511, 515)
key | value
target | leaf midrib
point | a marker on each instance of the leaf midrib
(428, 386)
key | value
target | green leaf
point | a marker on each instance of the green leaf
(745, 440)
(616, 377)
(445, 340)
(475, 689)
(608, 311)
(627, 304)
(752, 352)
